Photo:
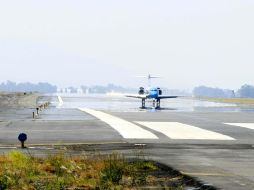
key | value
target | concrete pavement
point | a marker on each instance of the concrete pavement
(216, 147)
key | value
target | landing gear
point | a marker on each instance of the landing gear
(156, 103)
(143, 103)
(158, 106)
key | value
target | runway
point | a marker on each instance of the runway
(217, 147)
(73, 125)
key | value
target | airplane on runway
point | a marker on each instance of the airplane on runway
(154, 93)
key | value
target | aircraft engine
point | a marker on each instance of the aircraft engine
(160, 91)
(141, 91)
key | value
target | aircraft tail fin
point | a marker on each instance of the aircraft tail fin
(149, 77)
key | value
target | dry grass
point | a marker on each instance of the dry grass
(240, 101)
(21, 171)
(18, 99)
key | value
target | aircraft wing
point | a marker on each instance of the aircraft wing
(164, 97)
(137, 96)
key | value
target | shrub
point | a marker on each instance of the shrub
(3, 182)
(113, 171)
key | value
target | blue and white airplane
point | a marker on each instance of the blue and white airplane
(154, 93)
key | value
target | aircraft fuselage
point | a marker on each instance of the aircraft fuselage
(152, 93)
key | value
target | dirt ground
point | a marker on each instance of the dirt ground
(18, 100)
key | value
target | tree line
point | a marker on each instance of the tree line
(43, 87)
(246, 91)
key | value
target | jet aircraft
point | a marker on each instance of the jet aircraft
(154, 93)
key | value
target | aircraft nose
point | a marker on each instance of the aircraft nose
(153, 94)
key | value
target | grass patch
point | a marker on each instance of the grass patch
(240, 101)
(59, 172)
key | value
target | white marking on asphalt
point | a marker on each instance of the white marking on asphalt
(60, 101)
(8, 147)
(126, 129)
(244, 125)
(175, 130)
(41, 148)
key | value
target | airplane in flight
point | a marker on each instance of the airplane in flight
(154, 93)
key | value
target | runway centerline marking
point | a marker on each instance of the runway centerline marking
(126, 129)
(175, 130)
(244, 125)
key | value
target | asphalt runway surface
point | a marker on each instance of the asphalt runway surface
(214, 142)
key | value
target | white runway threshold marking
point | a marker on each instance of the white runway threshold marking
(244, 125)
(175, 130)
(126, 129)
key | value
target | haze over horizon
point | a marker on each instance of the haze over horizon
(72, 43)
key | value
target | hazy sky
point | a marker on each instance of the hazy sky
(75, 42)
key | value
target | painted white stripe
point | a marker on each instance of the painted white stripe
(126, 129)
(244, 125)
(175, 130)
(60, 101)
